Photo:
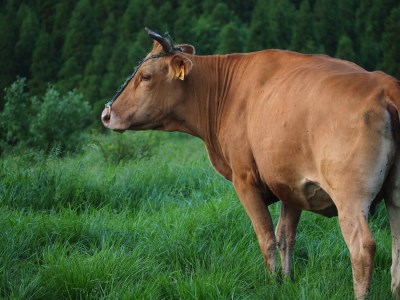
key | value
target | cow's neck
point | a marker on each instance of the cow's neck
(208, 96)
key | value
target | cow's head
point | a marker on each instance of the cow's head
(150, 95)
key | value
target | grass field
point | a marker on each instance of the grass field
(144, 216)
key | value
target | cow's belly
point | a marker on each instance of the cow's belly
(314, 198)
(305, 194)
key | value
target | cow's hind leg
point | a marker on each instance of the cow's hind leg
(394, 218)
(392, 201)
(357, 235)
(286, 235)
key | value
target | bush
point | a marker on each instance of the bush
(14, 120)
(53, 121)
(129, 146)
(59, 120)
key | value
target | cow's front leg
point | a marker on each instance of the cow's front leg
(286, 236)
(260, 217)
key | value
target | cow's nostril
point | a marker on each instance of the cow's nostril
(105, 116)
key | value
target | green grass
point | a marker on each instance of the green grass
(161, 225)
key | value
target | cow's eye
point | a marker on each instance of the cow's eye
(146, 77)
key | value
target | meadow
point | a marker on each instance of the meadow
(144, 216)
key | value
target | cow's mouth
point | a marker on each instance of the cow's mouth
(119, 130)
(109, 120)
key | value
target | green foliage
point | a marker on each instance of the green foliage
(303, 37)
(231, 39)
(14, 119)
(259, 30)
(345, 49)
(119, 148)
(25, 45)
(54, 120)
(44, 64)
(79, 41)
(391, 43)
(96, 68)
(8, 39)
(326, 25)
(59, 120)
(279, 29)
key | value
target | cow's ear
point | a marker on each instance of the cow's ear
(157, 47)
(185, 48)
(180, 66)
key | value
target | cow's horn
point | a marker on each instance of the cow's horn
(165, 43)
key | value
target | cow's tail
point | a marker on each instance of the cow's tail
(391, 186)
(392, 98)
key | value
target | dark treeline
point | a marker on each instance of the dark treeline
(93, 45)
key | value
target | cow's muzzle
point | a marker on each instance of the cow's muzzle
(106, 114)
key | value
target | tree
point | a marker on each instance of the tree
(96, 68)
(182, 26)
(79, 41)
(44, 64)
(259, 27)
(114, 77)
(231, 39)
(345, 48)
(326, 25)
(152, 20)
(303, 31)
(8, 39)
(366, 25)
(14, 119)
(104, 8)
(204, 32)
(346, 14)
(46, 11)
(63, 8)
(280, 16)
(391, 44)
(132, 20)
(59, 120)
(28, 32)
(242, 9)
(207, 27)
(167, 15)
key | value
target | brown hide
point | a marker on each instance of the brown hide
(315, 132)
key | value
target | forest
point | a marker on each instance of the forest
(92, 46)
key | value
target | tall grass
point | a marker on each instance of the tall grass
(162, 225)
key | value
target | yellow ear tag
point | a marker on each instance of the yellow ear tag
(181, 73)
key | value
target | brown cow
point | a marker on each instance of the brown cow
(317, 133)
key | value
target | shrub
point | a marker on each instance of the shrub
(14, 119)
(134, 146)
(59, 120)
(53, 121)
